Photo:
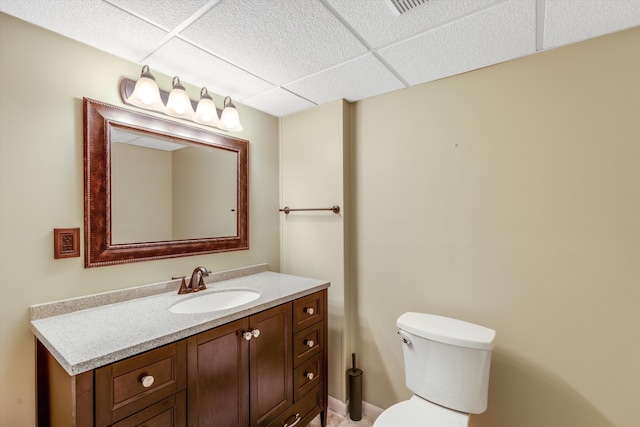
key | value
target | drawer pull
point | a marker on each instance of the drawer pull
(309, 375)
(309, 310)
(147, 380)
(309, 343)
(296, 420)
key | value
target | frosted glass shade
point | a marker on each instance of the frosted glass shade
(230, 119)
(206, 111)
(179, 103)
(146, 93)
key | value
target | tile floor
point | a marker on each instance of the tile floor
(336, 420)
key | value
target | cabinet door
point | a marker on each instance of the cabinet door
(271, 364)
(218, 377)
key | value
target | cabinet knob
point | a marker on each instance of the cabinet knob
(254, 333)
(309, 310)
(309, 343)
(309, 375)
(147, 380)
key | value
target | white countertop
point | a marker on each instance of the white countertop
(93, 337)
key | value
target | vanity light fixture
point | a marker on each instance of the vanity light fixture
(179, 104)
(206, 112)
(145, 93)
(230, 118)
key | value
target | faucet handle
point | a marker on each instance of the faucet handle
(184, 289)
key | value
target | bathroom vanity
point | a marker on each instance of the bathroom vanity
(126, 360)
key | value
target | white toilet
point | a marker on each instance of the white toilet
(447, 365)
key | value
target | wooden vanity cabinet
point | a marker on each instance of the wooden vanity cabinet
(275, 378)
(144, 390)
(148, 380)
(270, 361)
(218, 385)
(309, 363)
(239, 380)
(265, 370)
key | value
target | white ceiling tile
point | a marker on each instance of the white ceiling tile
(283, 56)
(92, 22)
(357, 79)
(168, 14)
(278, 40)
(379, 26)
(498, 34)
(570, 21)
(199, 68)
(278, 102)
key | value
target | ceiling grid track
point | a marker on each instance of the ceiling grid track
(540, 17)
(373, 51)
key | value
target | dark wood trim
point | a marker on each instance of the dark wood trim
(43, 412)
(99, 251)
(324, 416)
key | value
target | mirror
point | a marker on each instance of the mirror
(156, 189)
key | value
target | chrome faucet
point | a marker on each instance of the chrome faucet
(196, 283)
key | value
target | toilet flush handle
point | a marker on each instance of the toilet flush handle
(405, 339)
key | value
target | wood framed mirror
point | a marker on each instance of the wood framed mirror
(156, 188)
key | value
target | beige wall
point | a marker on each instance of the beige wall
(314, 151)
(510, 197)
(205, 192)
(141, 194)
(43, 78)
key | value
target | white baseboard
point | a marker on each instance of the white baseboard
(341, 408)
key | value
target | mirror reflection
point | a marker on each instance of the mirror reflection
(164, 189)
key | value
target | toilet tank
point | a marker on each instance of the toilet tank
(447, 360)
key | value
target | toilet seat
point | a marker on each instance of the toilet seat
(418, 412)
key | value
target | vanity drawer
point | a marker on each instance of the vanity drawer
(308, 342)
(170, 412)
(308, 310)
(302, 412)
(128, 386)
(307, 376)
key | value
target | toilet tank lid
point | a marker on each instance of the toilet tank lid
(447, 330)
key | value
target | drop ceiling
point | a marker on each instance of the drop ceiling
(284, 56)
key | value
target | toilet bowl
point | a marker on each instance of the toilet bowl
(418, 412)
(447, 365)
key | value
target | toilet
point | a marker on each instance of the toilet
(447, 365)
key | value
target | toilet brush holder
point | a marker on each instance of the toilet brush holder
(355, 390)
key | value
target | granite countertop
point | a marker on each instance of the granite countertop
(89, 332)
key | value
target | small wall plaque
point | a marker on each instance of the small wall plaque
(66, 242)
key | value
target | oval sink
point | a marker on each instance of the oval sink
(214, 301)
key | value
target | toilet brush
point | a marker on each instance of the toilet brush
(355, 390)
